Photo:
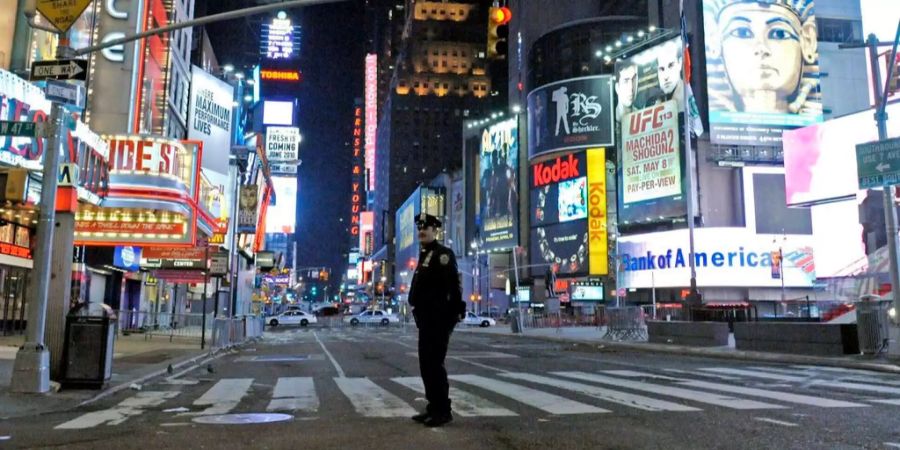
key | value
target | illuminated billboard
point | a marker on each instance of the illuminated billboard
(282, 213)
(357, 176)
(278, 112)
(280, 38)
(282, 144)
(820, 160)
(570, 114)
(209, 118)
(762, 69)
(569, 213)
(371, 103)
(498, 175)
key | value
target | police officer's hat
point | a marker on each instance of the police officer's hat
(427, 220)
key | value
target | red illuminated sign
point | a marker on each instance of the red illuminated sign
(93, 226)
(280, 75)
(173, 253)
(560, 170)
(357, 188)
(15, 250)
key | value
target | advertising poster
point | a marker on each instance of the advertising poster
(762, 67)
(559, 212)
(598, 235)
(209, 118)
(651, 155)
(570, 114)
(282, 144)
(282, 213)
(499, 202)
(247, 208)
(723, 257)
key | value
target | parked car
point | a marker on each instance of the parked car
(329, 310)
(473, 320)
(292, 317)
(372, 317)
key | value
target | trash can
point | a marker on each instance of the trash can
(514, 321)
(872, 324)
(88, 346)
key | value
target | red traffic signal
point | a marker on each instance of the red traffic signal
(501, 15)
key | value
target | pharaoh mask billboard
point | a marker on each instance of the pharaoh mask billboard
(498, 177)
(762, 67)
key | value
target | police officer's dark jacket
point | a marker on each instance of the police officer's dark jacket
(435, 292)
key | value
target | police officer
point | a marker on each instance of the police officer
(436, 297)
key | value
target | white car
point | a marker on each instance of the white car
(292, 317)
(473, 320)
(379, 317)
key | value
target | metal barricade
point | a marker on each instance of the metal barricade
(162, 324)
(625, 323)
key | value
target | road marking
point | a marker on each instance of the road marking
(464, 403)
(776, 422)
(334, 363)
(672, 391)
(372, 400)
(892, 444)
(622, 398)
(756, 374)
(224, 396)
(636, 374)
(858, 386)
(774, 395)
(707, 375)
(836, 369)
(293, 394)
(544, 401)
(475, 355)
(130, 407)
(888, 401)
(842, 374)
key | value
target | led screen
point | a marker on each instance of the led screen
(573, 199)
(278, 112)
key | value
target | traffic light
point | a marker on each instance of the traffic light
(14, 185)
(498, 32)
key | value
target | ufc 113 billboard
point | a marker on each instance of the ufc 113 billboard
(651, 181)
(762, 69)
(568, 213)
(499, 202)
(570, 114)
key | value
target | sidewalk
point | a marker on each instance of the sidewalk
(135, 360)
(593, 336)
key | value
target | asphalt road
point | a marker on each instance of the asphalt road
(355, 388)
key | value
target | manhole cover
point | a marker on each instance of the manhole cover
(242, 419)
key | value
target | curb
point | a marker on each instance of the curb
(739, 355)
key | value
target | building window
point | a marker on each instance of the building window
(839, 30)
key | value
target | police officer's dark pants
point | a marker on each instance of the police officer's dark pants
(433, 341)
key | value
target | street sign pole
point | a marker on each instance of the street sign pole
(890, 211)
(31, 370)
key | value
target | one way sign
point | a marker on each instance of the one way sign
(60, 69)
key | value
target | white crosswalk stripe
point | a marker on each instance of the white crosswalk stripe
(752, 392)
(294, 394)
(464, 403)
(544, 401)
(372, 400)
(130, 407)
(622, 398)
(672, 391)
(757, 374)
(222, 397)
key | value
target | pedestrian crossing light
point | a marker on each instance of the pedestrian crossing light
(498, 32)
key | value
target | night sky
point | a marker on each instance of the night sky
(332, 56)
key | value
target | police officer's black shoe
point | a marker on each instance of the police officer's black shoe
(421, 417)
(438, 420)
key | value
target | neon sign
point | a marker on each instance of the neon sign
(278, 38)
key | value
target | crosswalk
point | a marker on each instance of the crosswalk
(510, 394)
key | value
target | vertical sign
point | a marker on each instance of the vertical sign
(598, 258)
(357, 178)
(371, 115)
(249, 202)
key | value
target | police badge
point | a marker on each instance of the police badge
(445, 259)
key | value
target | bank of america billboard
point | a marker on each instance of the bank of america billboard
(570, 114)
